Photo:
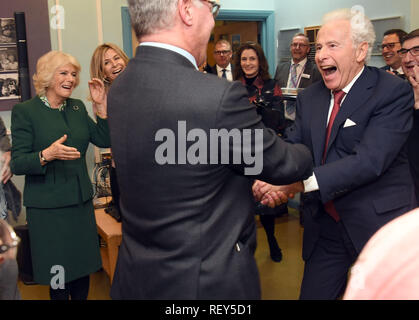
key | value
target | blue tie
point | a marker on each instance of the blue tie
(224, 74)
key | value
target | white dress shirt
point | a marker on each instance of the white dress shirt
(300, 68)
(229, 74)
(311, 183)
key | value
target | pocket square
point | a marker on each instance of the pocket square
(349, 123)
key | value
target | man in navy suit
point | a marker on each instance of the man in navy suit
(356, 123)
(390, 45)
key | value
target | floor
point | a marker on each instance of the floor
(279, 281)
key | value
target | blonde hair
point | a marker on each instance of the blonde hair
(46, 67)
(97, 62)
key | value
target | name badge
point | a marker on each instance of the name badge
(305, 75)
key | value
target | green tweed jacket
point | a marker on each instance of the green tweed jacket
(35, 127)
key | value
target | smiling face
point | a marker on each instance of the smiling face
(113, 64)
(222, 54)
(336, 56)
(391, 45)
(62, 84)
(249, 62)
(409, 61)
(299, 48)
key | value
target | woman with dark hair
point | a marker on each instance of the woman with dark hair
(251, 68)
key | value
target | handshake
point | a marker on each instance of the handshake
(272, 196)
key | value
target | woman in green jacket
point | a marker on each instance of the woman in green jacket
(50, 134)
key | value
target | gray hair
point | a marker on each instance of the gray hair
(362, 29)
(299, 34)
(151, 16)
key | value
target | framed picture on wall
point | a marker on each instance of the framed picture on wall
(235, 42)
(8, 59)
(9, 86)
(7, 31)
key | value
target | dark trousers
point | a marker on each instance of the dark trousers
(326, 271)
(76, 290)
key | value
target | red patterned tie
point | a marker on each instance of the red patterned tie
(338, 96)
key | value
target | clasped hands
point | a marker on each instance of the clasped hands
(272, 196)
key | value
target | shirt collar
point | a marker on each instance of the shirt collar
(400, 70)
(46, 103)
(170, 47)
(301, 63)
(228, 68)
(349, 86)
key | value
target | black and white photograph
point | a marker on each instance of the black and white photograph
(7, 31)
(8, 59)
(9, 86)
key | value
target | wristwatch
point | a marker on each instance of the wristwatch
(42, 157)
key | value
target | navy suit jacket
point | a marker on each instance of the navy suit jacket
(366, 171)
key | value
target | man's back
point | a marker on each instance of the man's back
(188, 229)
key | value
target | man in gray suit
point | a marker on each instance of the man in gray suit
(300, 72)
(188, 230)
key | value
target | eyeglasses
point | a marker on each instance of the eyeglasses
(222, 52)
(298, 45)
(389, 45)
(215, 7)
(413, 51)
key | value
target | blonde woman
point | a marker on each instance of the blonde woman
(50, 134)
(107, 63)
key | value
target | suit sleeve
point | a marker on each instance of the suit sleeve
(276, 161)
(382, 140)
(24, 160)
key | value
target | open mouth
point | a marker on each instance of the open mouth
(67, 87)
(329, 70)
(117, 71)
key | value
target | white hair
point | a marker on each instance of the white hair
(362, 29)
(151, 16)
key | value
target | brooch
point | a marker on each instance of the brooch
(75, 108)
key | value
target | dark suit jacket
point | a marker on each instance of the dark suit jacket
(367, 171)
(34, 128)
(282, 74)
(188, 231)
(387, 68)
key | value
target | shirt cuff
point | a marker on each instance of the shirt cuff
(311, 184)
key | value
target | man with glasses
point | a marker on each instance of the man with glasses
(300, 72)
(188, 221)
(389, 47)
(409, 54)
(222, 56)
